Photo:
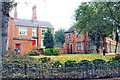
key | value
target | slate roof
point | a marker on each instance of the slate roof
(69, 30)
(30, 23)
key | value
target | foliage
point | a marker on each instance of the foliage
(60, 36)
(94, 19)
(57, 64)
(86, 62)
(51, 51)
(32, 53)
(44, 59)
(70, 63)
(58, 44)
(48, 41)
(48, 51)
(98, 61)
(7, 6)
(56, 52)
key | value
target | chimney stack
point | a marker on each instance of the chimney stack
(15, 13)
(34, 17)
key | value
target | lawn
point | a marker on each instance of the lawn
(77, 57)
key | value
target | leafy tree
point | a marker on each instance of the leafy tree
(48, 41)
(60, 37)
(92, 19)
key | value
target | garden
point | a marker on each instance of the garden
(74, 66)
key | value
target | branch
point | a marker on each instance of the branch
(113, 16)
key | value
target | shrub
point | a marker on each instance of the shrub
(86, 62)
(70, 63)
(98, 61)
(44, 59)
(56, 52)
(57, 64)
(31, 53)
(48, 51)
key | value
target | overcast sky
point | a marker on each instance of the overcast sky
(58, 12)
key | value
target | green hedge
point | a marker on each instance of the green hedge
(51, 51)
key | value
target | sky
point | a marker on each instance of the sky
(58, 12)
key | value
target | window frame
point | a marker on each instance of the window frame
(90, 45)
(24, 30)
(69, 35)
(42, 32)
(80, 45)
(33, 31)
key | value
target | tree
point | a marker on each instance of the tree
(60, 37)
(48, 41)
(5, 7)
(92, 19)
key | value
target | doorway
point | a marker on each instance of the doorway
(70, 48)
(18, 46)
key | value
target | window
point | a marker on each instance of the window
(79, 45)
(43, 32)
(90, 46)
(33, 31)
(22, 31)
(69, 35)
(78, 35)
(42, 43)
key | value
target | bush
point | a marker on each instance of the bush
(31, 53)
(51, 51)
(86, 62)
(70, 63)
(48, 51)
(98, 61)
(56, 52)
(57, 64)
(44, 59)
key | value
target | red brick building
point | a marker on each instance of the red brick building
(26, 34)
(78, 43)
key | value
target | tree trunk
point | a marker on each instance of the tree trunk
(116, 46)
(5, 19)
(0, 38)
(104, 46)
(116, 42)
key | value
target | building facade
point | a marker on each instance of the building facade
(76, 42)
(27, 34)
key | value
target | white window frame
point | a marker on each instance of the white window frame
(25, 31)
(33, 31)
(79, 44)
(41, 31)
(42, 44)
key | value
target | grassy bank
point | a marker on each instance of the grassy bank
(77, 57)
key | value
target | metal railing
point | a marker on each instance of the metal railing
(86, 71)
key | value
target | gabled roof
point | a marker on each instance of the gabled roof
(30, 23)
(70, 30)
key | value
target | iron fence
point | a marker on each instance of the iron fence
(86, 71)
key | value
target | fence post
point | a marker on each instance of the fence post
(87, 69)
(25, 69)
